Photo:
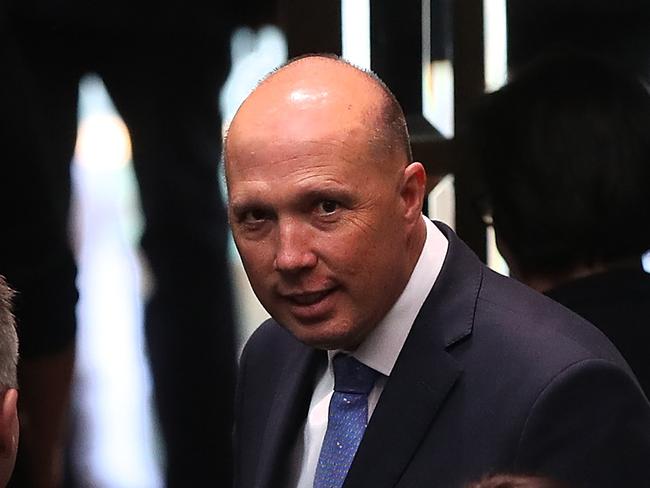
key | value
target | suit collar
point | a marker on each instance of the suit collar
(454, 297)
(424, 374)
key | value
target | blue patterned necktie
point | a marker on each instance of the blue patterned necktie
(348, 417)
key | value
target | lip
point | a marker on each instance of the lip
(311, 306)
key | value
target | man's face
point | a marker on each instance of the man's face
(320, 228)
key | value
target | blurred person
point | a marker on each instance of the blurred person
(516, 481)
(8, 385)
(163, 65)
(394, 357)
(564, 150)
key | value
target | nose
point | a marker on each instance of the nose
(294, 247)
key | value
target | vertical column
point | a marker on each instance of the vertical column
(396, 56)
(469, 84)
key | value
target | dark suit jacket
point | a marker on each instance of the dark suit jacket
(493, 377)
(618, 303)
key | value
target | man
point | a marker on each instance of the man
(8, 385)
(472, 372)
(565, 153)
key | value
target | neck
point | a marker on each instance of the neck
(415, 243)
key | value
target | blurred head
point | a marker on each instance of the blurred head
(8, 385)
(565, 153)
(324, 200)
(516, 481)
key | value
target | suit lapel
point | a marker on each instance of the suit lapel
(288, 411)
(402, 417)
(424, 373)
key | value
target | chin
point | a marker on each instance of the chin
(321, 342)
(326, 339)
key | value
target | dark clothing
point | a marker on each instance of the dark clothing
(618, 303)
(165, 82)
(493, 377)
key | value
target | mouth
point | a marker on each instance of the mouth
(311, 306)
(308, 298)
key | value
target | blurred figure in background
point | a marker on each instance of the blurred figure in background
(8, 385)
(565, 153)
(163, 65)
(516, 481)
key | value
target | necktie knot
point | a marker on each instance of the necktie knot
(352, 376)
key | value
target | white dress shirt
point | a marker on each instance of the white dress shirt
(378, 351)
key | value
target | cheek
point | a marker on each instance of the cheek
(380, 257)
(344, 253)
(255, 259)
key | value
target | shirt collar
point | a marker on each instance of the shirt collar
(382, 346)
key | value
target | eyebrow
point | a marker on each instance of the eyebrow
(304, 198)
(245, 204)
(330, 193)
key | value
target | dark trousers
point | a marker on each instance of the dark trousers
(165, 87)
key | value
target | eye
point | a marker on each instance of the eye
(252, 219)
(327, 207)
(253, 216)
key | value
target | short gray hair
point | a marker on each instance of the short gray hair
(8, 338)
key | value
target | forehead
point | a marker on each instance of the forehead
(295, 139)
(295, 162)
(302, 115)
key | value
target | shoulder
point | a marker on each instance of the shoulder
(532, 348)
(269, 331)
(571, 400)
(589, 422)
(268, 347)
(521, 319)
(496, 315)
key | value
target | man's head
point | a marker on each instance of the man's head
(565, 151)
(8, 385)
(324, 200)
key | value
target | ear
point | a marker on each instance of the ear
(413, 191)
(9, 424)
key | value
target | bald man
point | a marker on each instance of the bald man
(394, 357)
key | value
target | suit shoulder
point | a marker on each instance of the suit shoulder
(515, 313)
(268, 347)
(590, 422)
(265, 332)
